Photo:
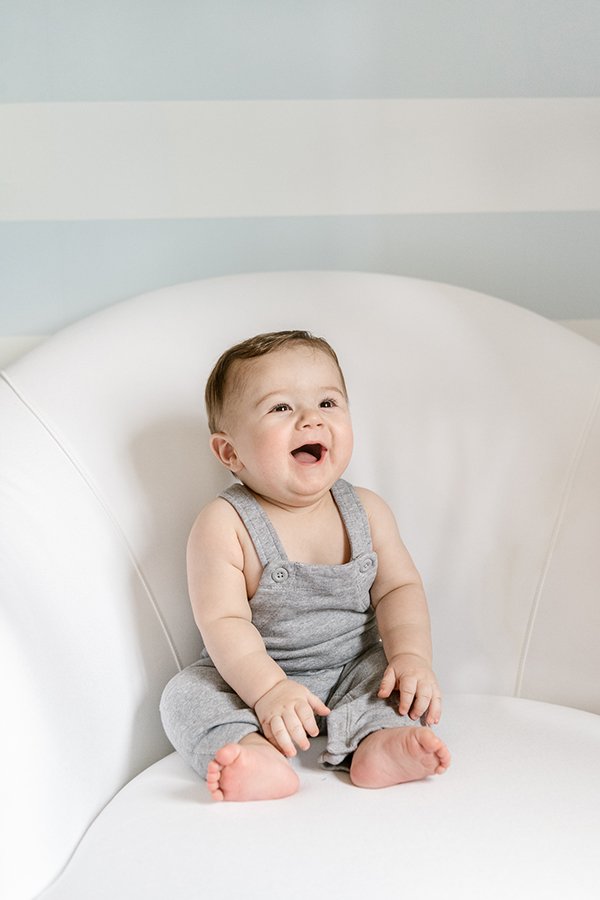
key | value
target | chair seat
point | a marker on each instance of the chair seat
(517, 815)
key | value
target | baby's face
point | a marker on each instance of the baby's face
(288, 421)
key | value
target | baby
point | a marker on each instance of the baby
(312, 613)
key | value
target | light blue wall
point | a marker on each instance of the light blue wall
(55, 270)
(297, 49)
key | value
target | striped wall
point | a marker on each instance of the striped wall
(146, 142)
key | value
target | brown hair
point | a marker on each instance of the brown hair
(217, 386)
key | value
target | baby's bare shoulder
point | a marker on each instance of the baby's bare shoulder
(216, 530)
(218, 510)
(375, 506)
(382, 521)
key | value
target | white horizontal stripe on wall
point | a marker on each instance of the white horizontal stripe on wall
(82, 161)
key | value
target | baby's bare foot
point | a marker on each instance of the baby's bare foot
(395, 755)
(252, 770)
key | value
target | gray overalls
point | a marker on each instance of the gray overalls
(317, 622)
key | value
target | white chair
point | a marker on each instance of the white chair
(480, 424)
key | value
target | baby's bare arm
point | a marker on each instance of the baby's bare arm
(220, 604)
(222, 612)
(402, 617)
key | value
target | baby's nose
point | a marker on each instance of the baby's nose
(310, 417)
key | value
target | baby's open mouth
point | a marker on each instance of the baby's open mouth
(309, 453)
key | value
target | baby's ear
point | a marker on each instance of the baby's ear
(221, 446)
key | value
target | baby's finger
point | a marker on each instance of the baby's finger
(295, 729)
(268, 734)
(280, 736)
(318, 705)
(434, 712)
(388, 683)
(422, 700)
(307, 717)
(408, 686)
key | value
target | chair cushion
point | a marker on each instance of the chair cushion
(516, 815)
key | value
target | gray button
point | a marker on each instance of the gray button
(366, 565)
(279, 574)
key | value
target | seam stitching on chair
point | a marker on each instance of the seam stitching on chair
(566, 493)
(108, 512)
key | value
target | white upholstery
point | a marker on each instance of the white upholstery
(478, 421)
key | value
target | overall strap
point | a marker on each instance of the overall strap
(354, 517)
(264, 537)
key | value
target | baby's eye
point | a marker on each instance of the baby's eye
(328, 403)
(281, 407)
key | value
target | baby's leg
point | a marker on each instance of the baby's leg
(217, 735)
(250, 770)
(368, 737)
(395, 755)
(201, 714)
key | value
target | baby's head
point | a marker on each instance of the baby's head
(229, 370)
(278, 415)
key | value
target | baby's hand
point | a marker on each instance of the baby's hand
(287, 714)
(415, 682)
